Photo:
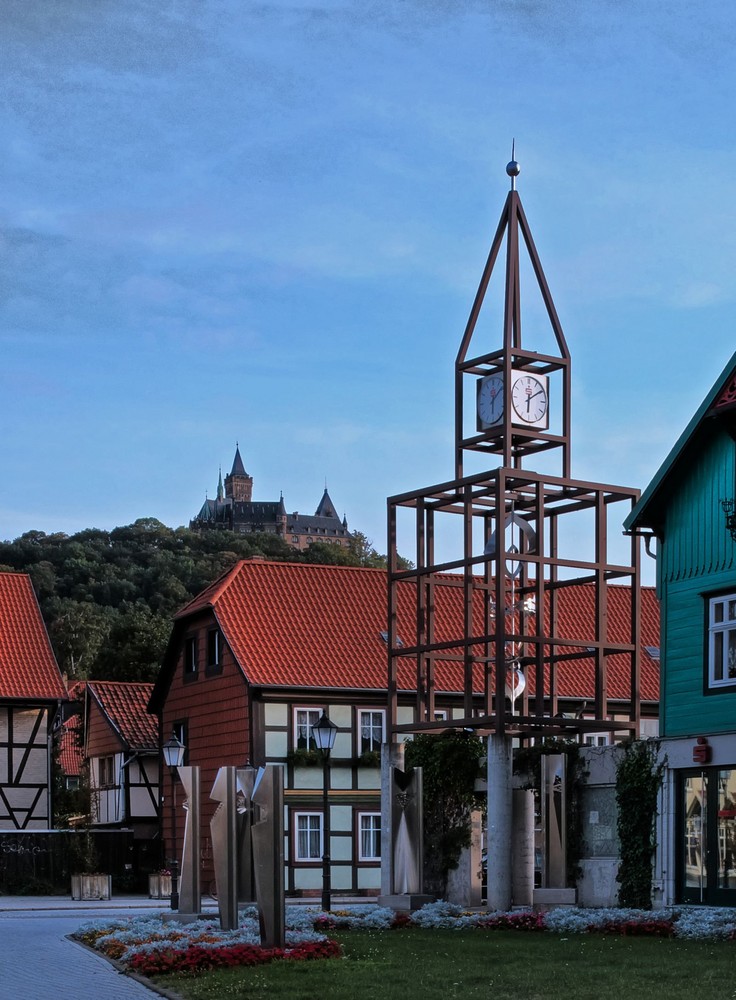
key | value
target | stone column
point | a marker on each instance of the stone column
(499, 826)
(522, 847)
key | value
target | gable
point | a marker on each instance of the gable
(716, 414)
(28, 667)
(122, 705)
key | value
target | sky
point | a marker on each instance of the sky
(265, 223)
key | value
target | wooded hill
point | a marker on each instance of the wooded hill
(108, 596)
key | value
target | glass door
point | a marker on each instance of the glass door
(707, 824)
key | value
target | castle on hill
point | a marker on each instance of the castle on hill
(235, 510)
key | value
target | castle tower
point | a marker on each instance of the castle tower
(239, 485)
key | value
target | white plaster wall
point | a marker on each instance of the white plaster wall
(275, 715)
(369, 878)
(277, 745)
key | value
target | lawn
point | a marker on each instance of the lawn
(417, 964)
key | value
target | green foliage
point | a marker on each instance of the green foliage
(450, 766)
(474, 965)
(302, 757)
(638, 779)
(107, 597)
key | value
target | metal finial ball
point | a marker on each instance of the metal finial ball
(513, 169)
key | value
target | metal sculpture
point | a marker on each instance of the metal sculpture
(190, 894)
(406, 831)
(224, 846)
(267, 837)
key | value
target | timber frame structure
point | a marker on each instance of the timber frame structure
(519, 544)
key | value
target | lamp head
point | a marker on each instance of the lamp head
(324, 733)
(174, 751)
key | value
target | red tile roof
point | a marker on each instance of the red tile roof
(302, 625)
(28, 668)
(70, 750)
(124, 704)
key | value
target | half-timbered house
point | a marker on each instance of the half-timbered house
(31, 690)
(122, 753)
(255, 659)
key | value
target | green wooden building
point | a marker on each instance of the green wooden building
(687, 512)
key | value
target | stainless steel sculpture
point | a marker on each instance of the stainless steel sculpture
(267, 835)
(190, 895)
(224, 827)
(554, 867)
(245, 779)
(406, 831)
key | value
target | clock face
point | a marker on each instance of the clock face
(490, 401)
(529, 399)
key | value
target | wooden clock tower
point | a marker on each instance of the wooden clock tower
(495, 549)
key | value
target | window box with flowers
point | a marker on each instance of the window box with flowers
(369, 758)
(159, 884)
(301, 757)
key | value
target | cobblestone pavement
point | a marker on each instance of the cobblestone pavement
(38, 962)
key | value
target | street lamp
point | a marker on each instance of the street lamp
(174, 758)
(324, 733)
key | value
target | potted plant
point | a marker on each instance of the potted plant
(159, 884)
(88, 882)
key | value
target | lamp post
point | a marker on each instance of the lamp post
(174, 758)
(324, 737)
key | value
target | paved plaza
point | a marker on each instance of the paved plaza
(40, 963)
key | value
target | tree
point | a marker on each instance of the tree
(450, 766)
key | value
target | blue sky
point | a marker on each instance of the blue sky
(266, 222)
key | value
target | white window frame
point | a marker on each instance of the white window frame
(106, 771)
(214, 646)
(313, 823)
(372, 745)
(313, 715)
(369, 823)
(721, 629)
(191, 655)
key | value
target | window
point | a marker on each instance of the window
(369, 836)
(370, 730)
(440, 715)
(180, 731)
(308, 836)
(304, 719)
(106, 772)
(214, 650)
(190, 656)
(722, 641)
(596, 740)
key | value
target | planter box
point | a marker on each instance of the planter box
(91, 886)
(159, 886)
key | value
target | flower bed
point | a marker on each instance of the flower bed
(151, 946)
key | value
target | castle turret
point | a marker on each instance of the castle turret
(239, 485)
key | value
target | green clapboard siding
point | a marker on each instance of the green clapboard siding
(696, 558)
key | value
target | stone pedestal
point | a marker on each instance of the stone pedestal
(550, 899)
(405, 901)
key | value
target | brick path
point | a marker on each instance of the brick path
(39, 963)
